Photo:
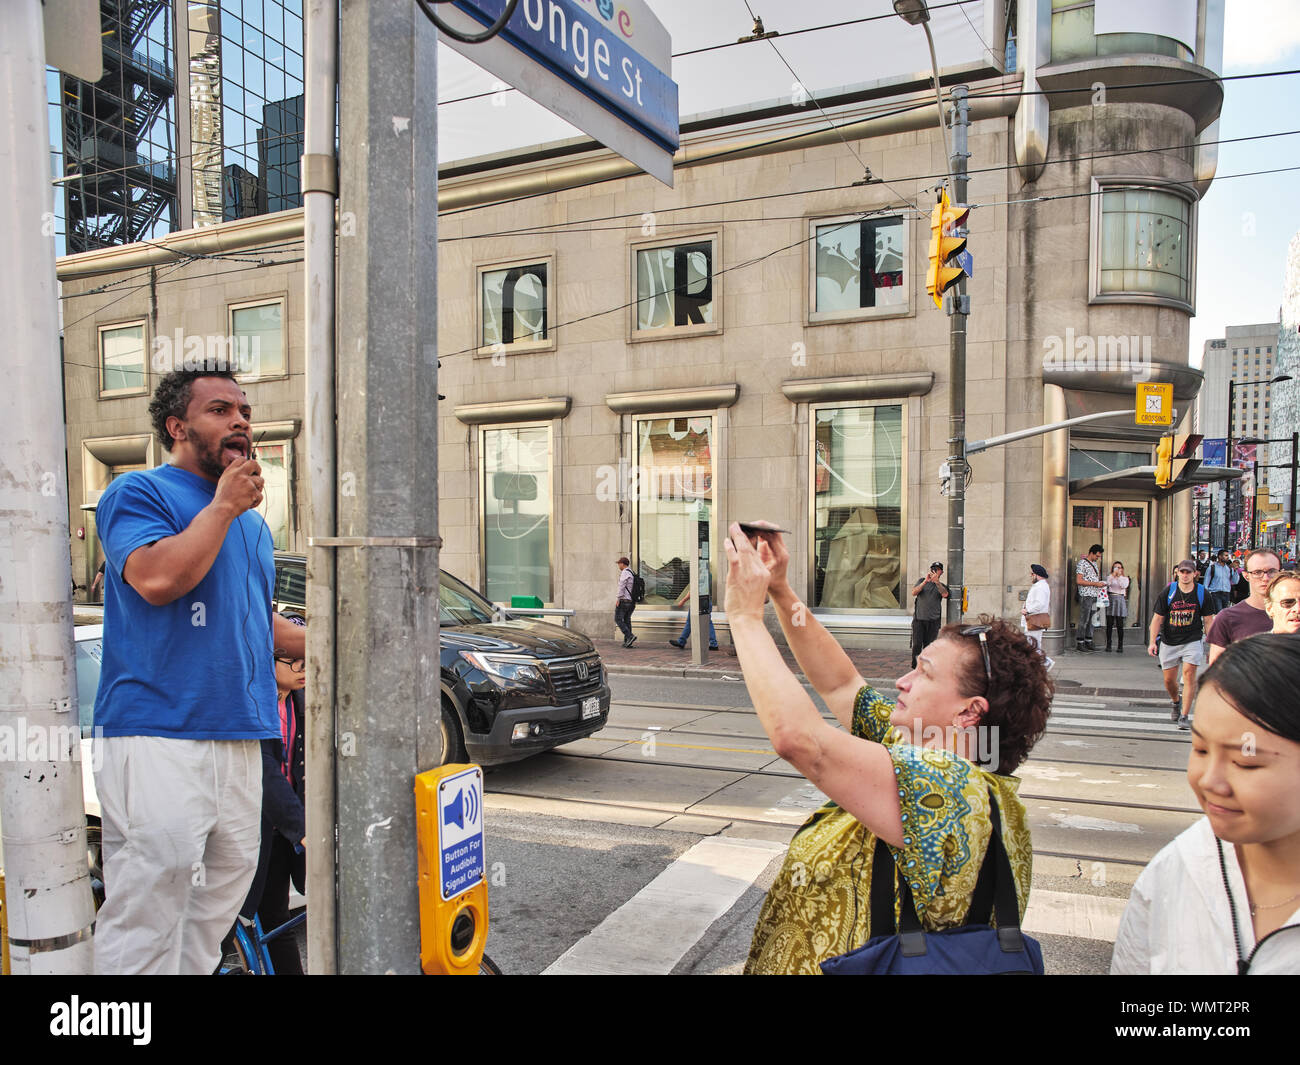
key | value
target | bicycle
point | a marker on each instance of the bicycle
(253, 959)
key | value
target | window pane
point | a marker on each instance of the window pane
(674, 483)
(122, 350)
(517, 513)
(1144, 243)
(860, 264)
(674, 286)
(258, 339)
(274, 460)
(858, 506)
(514, 305)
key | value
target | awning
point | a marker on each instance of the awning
(1140, 481)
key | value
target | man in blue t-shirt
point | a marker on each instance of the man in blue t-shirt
(187, 685)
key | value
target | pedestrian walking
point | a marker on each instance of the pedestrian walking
(1249, 617)
(927, 612)
(706, 608)
(1181, 617)
(625, 601)
(1088, 582)
(187, 685)
(1036, 614)
(913, 776)
(96, 583)
(1284, 603)
(1116, 604)
(1218, 581)
(1224, 897)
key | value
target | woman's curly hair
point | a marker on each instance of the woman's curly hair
(1019, 697)
(171, 399)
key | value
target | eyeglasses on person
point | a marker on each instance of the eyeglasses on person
(296, 665)
(1261, 573)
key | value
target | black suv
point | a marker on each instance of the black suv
(511, 687)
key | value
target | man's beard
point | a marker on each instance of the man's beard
(208, 457)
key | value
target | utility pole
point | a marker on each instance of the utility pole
(958, 309)
(387, 676)
(47, 880)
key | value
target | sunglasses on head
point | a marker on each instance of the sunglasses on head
(980, 631)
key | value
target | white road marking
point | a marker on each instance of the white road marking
(1105, 723)
(1062, 913)
(1093, 824)
(651, 932)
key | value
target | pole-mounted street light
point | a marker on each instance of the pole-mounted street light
(1227, 496)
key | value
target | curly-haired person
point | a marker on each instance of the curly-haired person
(187, 688)
(914, 775)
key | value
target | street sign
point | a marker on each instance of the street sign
(72, 41)
(460, 832)
(1154, 404)
(603, 65)
(967, 262)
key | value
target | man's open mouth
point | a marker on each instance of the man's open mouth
(238, 444)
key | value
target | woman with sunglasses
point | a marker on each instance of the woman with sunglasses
(1224, 897)
(913, 775)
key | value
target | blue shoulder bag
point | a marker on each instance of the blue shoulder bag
(974, 949)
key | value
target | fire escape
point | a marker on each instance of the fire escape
(116, 194)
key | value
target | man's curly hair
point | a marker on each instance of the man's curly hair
(1020, 696)
(172, 399)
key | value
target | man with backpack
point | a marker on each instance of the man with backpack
(1182, 617)
(627, 599)
(1218, 582)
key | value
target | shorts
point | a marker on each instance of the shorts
(1193, 652)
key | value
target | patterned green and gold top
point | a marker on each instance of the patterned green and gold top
(820, 905)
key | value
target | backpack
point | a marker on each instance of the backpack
(638, 588)
(1173, 590)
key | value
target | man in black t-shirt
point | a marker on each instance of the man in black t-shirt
(927, 615)
(1182, 618)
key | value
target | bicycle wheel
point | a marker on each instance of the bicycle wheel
(243, 962)
(487, 967)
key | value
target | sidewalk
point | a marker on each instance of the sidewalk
(1132, 675)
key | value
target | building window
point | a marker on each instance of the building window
(857, 517)
(673, 486)
(1143, 246)
(514, 305)
(674, 287)
(121, 359)
(277, 495)
(516, 537)
(858, 268)
(257, 340)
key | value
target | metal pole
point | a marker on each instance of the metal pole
(1295, 450)
(387, 675)
(1254, 505)
(1232, 463)
(698, 653)
(958, 308)
(320, 189)
(51, 912)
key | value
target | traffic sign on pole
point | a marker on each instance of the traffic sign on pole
(1154, 404)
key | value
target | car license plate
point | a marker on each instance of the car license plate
(591, 707)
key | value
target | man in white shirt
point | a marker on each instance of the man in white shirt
(1037, 601)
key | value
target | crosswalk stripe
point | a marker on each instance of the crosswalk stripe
(1099, 723)
(651, 932)
(1063, 913)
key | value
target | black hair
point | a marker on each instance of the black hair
(171, 399)
(1095, 549)
(1260, 677)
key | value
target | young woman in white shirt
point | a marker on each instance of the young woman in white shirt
(1224, 897)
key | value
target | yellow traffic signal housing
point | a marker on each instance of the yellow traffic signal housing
(945, 219)
(1165, 462)
(1185, 461)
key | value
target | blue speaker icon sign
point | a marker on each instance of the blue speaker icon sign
(460, 831)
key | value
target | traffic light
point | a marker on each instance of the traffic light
(945, 219)
(1176, 458)
(1165, 462)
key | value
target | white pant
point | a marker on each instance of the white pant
(181, 827)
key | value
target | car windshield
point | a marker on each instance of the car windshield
(457, 605)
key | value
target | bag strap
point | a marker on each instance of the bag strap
(995, 893)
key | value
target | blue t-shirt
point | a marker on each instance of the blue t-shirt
(202, 667)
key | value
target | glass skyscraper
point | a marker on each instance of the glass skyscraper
(197, 120)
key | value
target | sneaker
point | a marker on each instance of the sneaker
(1048, 662)
(713, 647)
(629, 642)
(1184, 722)
(1176, 714)
(674, 643)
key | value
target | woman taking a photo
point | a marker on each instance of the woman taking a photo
(1117, 606)
(1224, 897)
(915, 776)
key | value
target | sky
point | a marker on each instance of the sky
(1244, 224)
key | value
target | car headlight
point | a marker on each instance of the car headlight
(516, 670)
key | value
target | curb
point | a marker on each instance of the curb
(1064, 685)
